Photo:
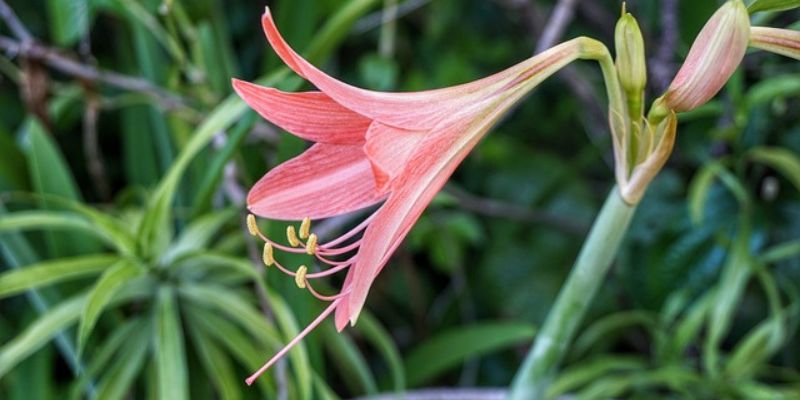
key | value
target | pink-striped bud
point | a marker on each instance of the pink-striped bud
(781, 41)
(714, 56)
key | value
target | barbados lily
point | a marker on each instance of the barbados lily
(397, 149)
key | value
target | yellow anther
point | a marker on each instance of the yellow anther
(291, 235)
(311, 244)
(300, 277)
(305, 228)
(252, 227)
(267, 256)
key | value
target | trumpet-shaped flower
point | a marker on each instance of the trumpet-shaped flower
(392, 149)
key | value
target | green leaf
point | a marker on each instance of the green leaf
(58, 220)
(217, 365)
(451, 348)
(39, 333)
(105, 352)
(227, 303)
(13, 171)
(586, 372)
(727, 296)
(197, 265)
(198, 234)
(108, 228)
(213, 175)
(701, 185)
(101, 294)
(138, 15)
(607, 328)
(756, 348)
(235, 342)
(689, 326)
(169, 352)
(139, 151)
(50, 272)
(780, 252)
(51, 175)
(121, 374)
(350, 363)
(380, 339)
(773, 87)
(782, 160)
(69, 20)
(772, 5)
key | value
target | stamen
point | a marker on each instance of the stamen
(294, 341)
(252, 227)
(352, 232)
(267, 255)
(300, 277)
(332, 262)
(284, 269)
(331, 271)
(324, 297)
(335, 252)
(305, 228)
(311, 244)
(291, 236)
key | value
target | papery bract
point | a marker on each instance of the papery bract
(373, 147)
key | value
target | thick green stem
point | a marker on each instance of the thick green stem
(586, 277)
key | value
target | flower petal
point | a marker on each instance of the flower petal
(436, 157)
(388, 149)
(411, 110)
(326, 180)
(312, 116)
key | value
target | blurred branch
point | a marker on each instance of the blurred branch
(536, 24)
(388, 35)
(91, 147)
(62, 63)
(662, 64)
(388, 14)
(554, 29)
(500, 209)
(14, 24)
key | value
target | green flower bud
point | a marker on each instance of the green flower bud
(631, 65)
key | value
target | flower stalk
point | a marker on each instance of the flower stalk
(587, 275)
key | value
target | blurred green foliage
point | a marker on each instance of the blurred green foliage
(147, 288)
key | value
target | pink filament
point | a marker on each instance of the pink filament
(351, 233)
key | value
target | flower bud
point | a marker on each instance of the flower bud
(714, 56)
(780, 41)
(631, 66)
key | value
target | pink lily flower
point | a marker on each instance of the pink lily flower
(372, 147)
